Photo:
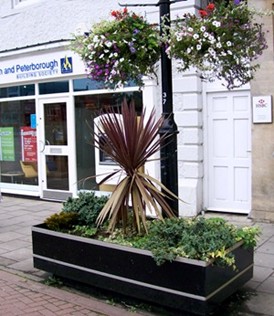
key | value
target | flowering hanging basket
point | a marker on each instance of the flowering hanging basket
(120, 50)
(222, 42)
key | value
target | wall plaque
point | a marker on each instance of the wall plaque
(262, 109)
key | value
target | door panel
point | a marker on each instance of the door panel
(229, 157)
(54, 153)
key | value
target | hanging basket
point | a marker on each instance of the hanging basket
(119, 51)
(221, 42)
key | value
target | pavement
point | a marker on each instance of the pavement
(25, 290)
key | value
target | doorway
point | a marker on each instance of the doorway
(228, 143)
(57, 161)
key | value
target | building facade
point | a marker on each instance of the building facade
(263, 132)
(47, 108)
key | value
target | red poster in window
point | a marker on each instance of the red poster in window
(28, 143)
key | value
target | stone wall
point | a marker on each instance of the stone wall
(263, 134)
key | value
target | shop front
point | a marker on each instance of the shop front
(47, 112)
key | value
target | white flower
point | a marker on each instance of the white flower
(190, 29)
(189, 49)
(196, 36)
(96, 39)
(216, 23)
(229, 52)
(206, 34)
(179, 37)
(168, 51)
(211, 51)
(108, 44)
(121, 60)
(101, 56)
(198, 47)
(228, 43)
(219, 45)
(203, 28)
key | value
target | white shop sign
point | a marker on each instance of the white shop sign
(42, 66)
(262, 109)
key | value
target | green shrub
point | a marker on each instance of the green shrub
(62, 221)
(87, 206)
(199, 238)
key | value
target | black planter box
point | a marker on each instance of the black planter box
(188, 285)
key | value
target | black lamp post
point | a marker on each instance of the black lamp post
(169, 167)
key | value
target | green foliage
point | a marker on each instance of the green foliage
(87, 206)
(84, 231)
(199, 238)
(53, 281)
(249, 235)
(61, 221)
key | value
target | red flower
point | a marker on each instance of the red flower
(120, 14)
(210, 7)
(114, 13)
(202, 13)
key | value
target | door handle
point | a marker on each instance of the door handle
(43, 146)
(46, 142)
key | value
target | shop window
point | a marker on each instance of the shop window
(86, 109)
(53, 87)
(17, 91)
(18, 143)
(86, 84)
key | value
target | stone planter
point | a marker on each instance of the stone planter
(185, 285)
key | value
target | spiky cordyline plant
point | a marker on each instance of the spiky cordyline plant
(130, 141)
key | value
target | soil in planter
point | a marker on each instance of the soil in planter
(233, 306)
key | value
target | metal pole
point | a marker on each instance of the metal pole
(168, 152)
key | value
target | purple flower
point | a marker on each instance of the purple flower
(236, 2)
(136, 31)
(132, 48)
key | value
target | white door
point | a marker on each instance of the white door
(229, 152)
(56, 146)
